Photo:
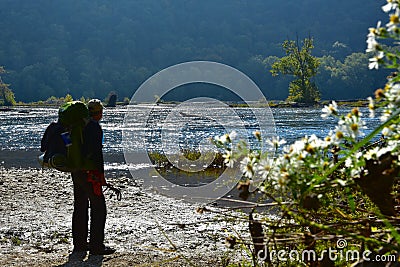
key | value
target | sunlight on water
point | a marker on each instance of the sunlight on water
(22, 128)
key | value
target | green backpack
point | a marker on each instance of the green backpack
(72, 118)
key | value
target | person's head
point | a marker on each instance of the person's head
(95, 109)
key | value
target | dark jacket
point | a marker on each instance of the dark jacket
(93, 145)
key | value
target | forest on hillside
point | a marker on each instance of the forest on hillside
(91, 47)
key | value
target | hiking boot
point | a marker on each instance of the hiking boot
(102, 251)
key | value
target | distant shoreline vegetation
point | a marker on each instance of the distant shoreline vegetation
(287, 104)
(56, 102)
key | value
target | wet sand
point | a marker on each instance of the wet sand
(35, 225)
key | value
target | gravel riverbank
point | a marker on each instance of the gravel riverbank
(147, 229)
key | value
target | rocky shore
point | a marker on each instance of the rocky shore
(147, 229)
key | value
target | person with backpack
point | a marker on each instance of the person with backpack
(74, 144)
(62, 141)
(88, 184)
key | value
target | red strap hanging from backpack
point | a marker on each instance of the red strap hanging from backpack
(97, 179)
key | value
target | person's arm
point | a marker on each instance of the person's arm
(93, 139)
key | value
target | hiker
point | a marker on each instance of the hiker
(88, 188)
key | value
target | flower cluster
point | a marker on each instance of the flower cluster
(332, 176)
(303, 161)
(306, 162)
(387, 98)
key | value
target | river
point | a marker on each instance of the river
(22, 128)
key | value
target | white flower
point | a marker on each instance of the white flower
(282, 180)
(372, 153)
(386, 131)
(228, 159)
(355, 172)
(393, 93)
(374, 62)
(247, 167)
(329, 110)
(371, 106)
(336, 137)
(232, 135)
(348, 162)
(372, 44)
(276, 142)
(386, 114)
(264, 167)
(373, 32)
(315, 143)
(353, 162)
(297, 148)
(394, 21)
(282, 163)
(352, 125)
(226, 138)
(222, 139)
(391, 4)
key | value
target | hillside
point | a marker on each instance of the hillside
(91, 47)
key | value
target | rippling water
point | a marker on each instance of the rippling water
(21, 129)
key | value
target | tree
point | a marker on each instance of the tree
(68, 98)
(349, 78)
(6, 95)
(300, 63)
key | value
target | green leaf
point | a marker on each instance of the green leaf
(350, 198)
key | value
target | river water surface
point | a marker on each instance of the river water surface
(22, 128)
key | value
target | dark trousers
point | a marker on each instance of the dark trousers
(83, 194)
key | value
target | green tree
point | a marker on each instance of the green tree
(83, 99)
(68, 98)
(349, 78)
(300, 63)
(7, 97)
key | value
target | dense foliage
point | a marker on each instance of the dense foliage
(93, 47)
(300, 63)
(6, 95)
